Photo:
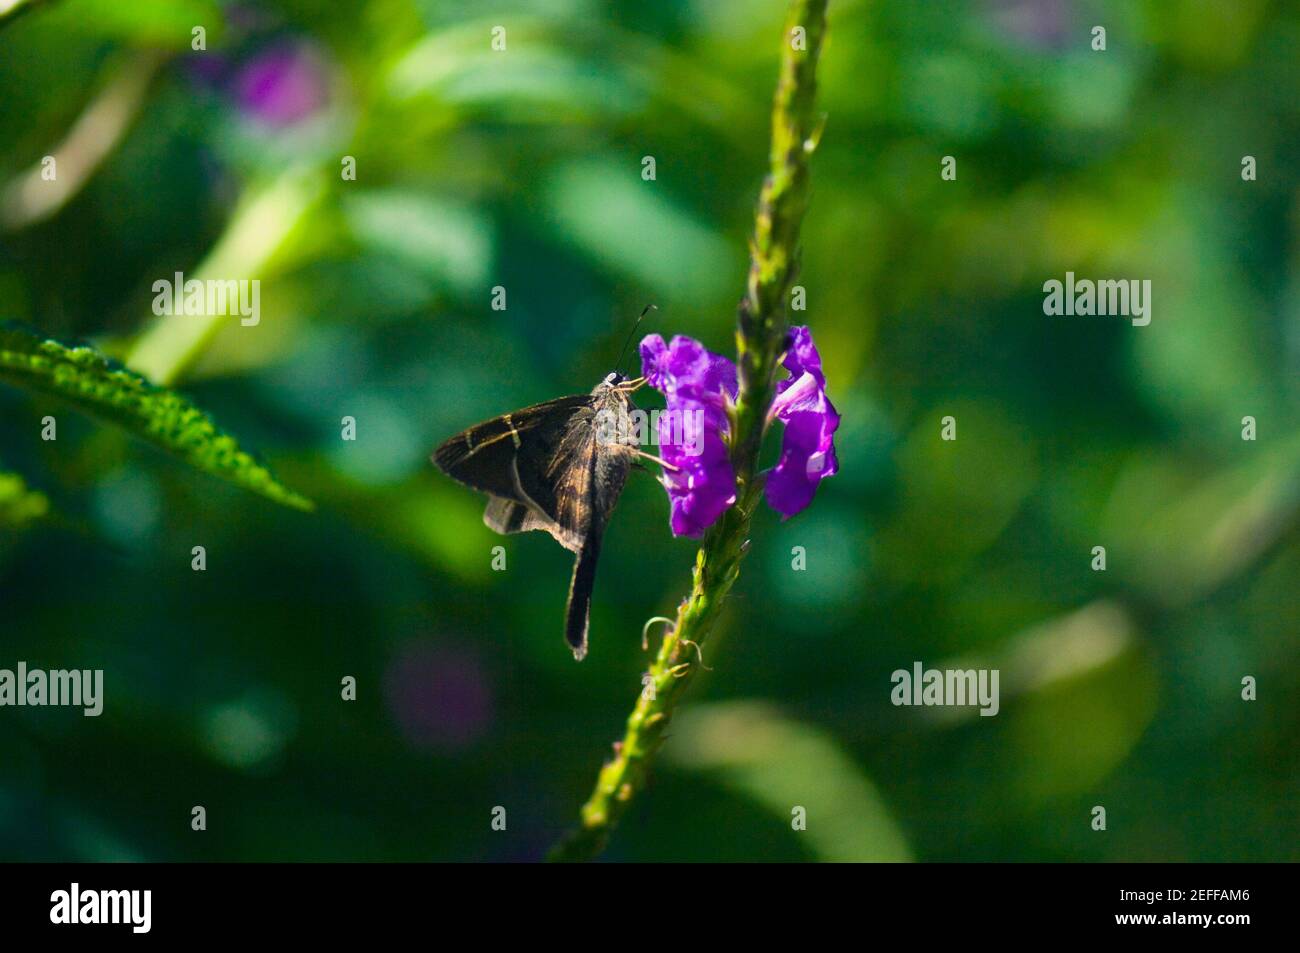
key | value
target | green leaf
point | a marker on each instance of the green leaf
(611, 214)
(164, 23)
(449, 242)
(782, 763)
(92, 383)
(18, 504)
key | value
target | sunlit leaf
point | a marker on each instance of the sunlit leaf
(633, 228)
(90, 382)
(18, 504)
(785, 764)
(156, 22)
(446, 241)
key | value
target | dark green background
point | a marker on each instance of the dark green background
(523, 169)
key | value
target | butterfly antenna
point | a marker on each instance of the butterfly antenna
(623, 353)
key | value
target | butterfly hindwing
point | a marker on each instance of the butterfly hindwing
(507, 517)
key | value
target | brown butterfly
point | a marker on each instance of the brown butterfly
(557, 466)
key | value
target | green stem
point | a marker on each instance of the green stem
(760, 336)
(29, 198)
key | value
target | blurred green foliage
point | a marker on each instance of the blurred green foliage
(477, 168)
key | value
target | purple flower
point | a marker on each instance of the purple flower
(808, 445)
(439, 695)
(687, 369)
(282, 85)
(208, 70)
(698, 386)
(1039, 23)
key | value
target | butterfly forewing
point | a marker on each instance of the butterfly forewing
(483, 456)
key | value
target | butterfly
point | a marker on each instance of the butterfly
(558, 466)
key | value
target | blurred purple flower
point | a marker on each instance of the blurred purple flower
(808, 445)
(438, 695)
(209, 70)
(1035, 23)
(697, 385)
(281, 85)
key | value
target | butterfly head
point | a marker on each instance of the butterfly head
(617, 381)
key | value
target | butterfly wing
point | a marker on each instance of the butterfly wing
(544, 467)
(507, 517)
(508, 457)
(578, 487)
(480, 456)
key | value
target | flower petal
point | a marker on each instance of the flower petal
(808, 444)
(697, 386)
